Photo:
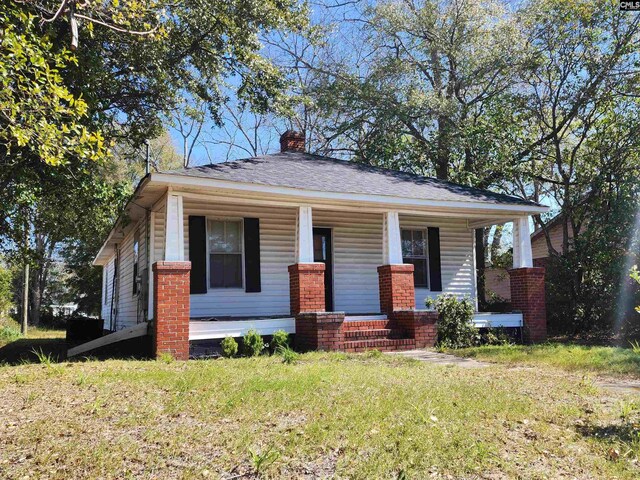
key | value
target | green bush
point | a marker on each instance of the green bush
(280, 339)
(252, 344)
(288, 355)
(9, 334)
(455, 323)
(495, 336)
(229, 347)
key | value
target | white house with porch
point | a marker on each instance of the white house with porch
(339, 253)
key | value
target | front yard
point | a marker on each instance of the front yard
(329, 415)
(577, 358)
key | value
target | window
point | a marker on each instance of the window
(225, 253)
(136, 249)
(414, 251)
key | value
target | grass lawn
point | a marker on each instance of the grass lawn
(578, 358)
(328, 415)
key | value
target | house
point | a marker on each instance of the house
(497, 280)
(336, 252)
(539, 245)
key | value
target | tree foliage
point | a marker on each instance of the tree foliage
(72, 122)
(41, 117)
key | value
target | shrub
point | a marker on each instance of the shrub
(495, 336)
(280, 339)
(288, 355)
(229, 347)
(455, 324)
(252, 344)
(9, 334)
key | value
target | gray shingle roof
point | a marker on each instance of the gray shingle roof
(313, 172)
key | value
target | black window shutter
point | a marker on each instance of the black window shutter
(435, 276)
(198, 254)
(252, 254)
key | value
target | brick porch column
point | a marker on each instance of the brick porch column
(319, 331)
(306, 287)
(527, 296)
(396, 288)
(171, 304)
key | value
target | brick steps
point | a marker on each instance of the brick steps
(351, 325)
(378, 333)
(382, 344)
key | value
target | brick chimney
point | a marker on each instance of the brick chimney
(292, 141)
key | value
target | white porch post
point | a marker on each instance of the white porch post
(522, 255)
(391, 243)
(304, 235)
(174, 229)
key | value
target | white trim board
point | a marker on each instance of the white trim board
(138, 330)
(204, 330)
(490, 319)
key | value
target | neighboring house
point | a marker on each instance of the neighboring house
(539, 246)
(497, 281)
(336, 252)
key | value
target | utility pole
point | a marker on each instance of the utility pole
(25, 299)
(25, 286)
(147, 158)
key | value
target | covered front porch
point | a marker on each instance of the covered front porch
(340, 275)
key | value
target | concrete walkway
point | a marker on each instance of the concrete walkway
(432, 356)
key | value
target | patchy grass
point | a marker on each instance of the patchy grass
(15, 348)
(578, 358)
(326, 415)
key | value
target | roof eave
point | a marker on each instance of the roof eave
(175, 179)
(97, 260)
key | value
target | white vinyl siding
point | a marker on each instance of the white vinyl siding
(107, 292)
(277, 245)
(456, 256)
(357, 252)
(128, 309)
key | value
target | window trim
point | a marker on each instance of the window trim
(425, 236)
(240, 220)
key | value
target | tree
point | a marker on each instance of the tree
(415, 100)
(133, 63)
(6, 289)
(577, 113)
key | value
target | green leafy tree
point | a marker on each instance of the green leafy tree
(635, 275)
(133, 62)
(6, 289)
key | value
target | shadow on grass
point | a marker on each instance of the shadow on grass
(625, 433)
(23, 351)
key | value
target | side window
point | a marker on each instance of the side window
(136, 249)
(414, 251)
(225, 253)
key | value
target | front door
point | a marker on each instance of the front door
(323, 252)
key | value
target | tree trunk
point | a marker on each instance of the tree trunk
(443, 149)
